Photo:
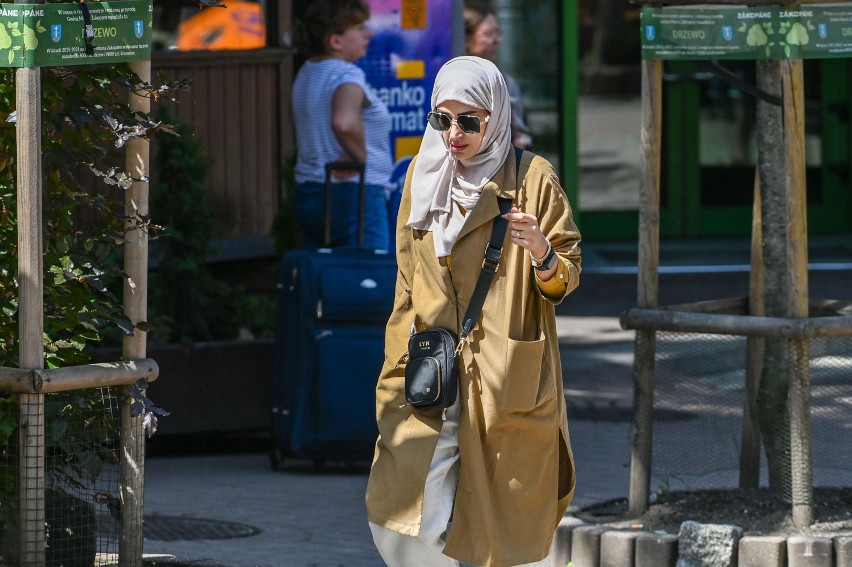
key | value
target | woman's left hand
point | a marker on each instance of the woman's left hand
(525, 232)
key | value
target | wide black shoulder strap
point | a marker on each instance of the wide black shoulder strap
(489, 267)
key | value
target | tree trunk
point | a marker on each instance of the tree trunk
(775, 378)
(616, 38)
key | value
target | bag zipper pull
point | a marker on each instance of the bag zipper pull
(444, 415)
(402, 360)
(460, 346)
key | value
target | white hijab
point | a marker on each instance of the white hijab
(438, 178)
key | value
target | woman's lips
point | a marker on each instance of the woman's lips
(457, 148)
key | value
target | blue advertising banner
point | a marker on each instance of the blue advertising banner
(411, 40)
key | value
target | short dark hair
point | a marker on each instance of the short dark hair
(475, 13)
(324, 18)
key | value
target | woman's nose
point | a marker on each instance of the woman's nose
(458, 131)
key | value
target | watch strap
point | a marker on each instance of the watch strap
(546, 262)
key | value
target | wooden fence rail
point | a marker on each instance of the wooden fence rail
(744, 325)
(52, 380)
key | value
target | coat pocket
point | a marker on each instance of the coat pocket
(523, 374)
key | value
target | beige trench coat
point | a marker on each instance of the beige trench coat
(516, 475)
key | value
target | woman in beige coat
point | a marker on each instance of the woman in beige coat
(485, 482)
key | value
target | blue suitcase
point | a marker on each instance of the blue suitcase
(333, 305)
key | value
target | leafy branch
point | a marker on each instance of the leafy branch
(85, 121)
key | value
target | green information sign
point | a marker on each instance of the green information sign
(802, 32)
(44, 35)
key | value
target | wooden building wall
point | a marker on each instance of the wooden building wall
(239, 105)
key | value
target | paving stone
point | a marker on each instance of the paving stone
(769, 551)
(805, 551)
(560, 549)
(656, 550)
(843, 550)
(586, 546)
(617, 548)
(708, 545)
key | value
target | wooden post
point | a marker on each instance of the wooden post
(750, 448)
(800, 387)
(774, 383)
(30, 312)
(134, 347)
(648, 285)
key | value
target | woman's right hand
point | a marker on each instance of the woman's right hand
(344, 173)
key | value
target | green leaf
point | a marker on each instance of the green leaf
(756, 37)
(797, 35)
(145, 326)
(5, 38)
(30, 39)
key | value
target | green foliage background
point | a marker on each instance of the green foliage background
(186, 302)
(85, 120)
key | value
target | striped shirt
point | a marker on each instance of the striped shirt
(316, 143)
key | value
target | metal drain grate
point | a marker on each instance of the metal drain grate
(181, 528)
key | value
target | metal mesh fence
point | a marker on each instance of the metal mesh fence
(79, 456)
(698, 410)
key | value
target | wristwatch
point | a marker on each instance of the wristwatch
(546, 262)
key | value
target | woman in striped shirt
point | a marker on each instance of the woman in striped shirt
(339, 118)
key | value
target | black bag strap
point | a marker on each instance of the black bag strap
(518, 155)
(89, 31)
(489, 264)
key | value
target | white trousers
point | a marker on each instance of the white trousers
(426, 550)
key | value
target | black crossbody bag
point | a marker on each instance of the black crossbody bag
(431, 375)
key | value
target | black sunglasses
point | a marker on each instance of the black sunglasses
(468, 123)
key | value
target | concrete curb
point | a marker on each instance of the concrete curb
(592, 545)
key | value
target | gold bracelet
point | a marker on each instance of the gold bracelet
(539, 261)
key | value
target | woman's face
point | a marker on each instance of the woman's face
(351, 44)
(485, 40)
(463, 145)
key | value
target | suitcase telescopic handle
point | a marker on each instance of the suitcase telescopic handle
(346, 166)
